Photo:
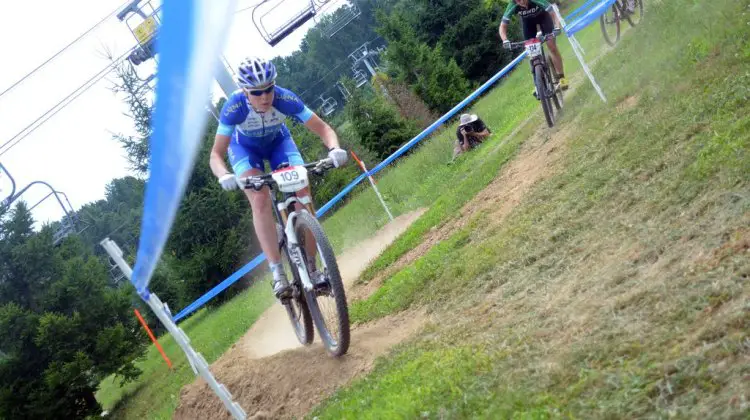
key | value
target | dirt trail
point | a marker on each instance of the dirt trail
(273, 333)
(536, 161)
(272, 376)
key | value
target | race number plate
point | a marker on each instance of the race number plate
(534, 48)
(291, 179)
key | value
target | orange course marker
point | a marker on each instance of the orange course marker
(150, 334)
(373, 183)
(361, 165)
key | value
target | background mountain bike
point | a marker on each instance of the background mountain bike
(610, 20)
(317, 290)
(547, 90)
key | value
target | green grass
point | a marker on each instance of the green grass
(618, 288)
(156, 393)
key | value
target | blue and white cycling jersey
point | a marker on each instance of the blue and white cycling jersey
(261, 136)
(260, 130)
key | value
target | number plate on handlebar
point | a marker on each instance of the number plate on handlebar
(291, 179)
(533, 47)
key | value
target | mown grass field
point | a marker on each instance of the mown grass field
(618, 288)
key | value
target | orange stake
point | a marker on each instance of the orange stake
(150, 334)
(362, 165)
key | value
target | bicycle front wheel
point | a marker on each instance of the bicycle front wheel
(327, 302)
(610, 23)
(544, 94)
(296, 306)
(557, 96)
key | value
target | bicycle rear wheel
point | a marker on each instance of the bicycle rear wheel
(610, 24)
(557, 96)
(296, 306)
(542, 90)
(635, 17)
(327, 303)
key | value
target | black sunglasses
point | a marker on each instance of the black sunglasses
(259, 92)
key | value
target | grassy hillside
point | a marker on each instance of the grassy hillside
(618, 288)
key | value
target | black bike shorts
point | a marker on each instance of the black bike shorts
(543, 20)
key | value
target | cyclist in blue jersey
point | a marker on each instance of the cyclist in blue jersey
(535, 13)
(252, 130)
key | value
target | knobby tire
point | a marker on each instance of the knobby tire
(336, 346)
(296, 306)
(541, 90)
(615, 21)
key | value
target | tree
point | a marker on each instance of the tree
(137, 97)
(321, 61)
(379, 126)
(64, 328)
(437, 79)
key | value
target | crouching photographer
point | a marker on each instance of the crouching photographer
(471, 132)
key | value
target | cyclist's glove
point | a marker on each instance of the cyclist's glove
(338, 156)
(228, 181)
(557, 31)
(506, 44)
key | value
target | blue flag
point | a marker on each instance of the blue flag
(189, 43)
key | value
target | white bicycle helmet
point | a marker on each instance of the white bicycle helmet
(255, 72)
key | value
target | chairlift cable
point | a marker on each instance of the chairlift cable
(61, 51)
(62, 104)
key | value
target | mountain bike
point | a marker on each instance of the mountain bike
(547, 90)
(610, 20)
(317, 290)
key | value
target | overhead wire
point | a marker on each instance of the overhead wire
(61, 51)
(62, 104)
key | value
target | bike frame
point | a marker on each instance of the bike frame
(286, 214)
(286, 219)
(540, 60)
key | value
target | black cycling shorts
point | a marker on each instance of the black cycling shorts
(543, 20)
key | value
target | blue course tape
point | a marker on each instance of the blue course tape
(220, 287)
(168, 175)
(579, 10)
(588, 18)
(191, 32)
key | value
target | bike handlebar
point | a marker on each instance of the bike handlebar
(521, 45)
(257, 182)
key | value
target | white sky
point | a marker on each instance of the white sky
(74, 150)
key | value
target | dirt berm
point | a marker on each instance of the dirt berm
(272, 376)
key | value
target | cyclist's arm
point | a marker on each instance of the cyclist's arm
(218, 152)
(504, 31)
(323, 130)
(509, 12)
(231, 114)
